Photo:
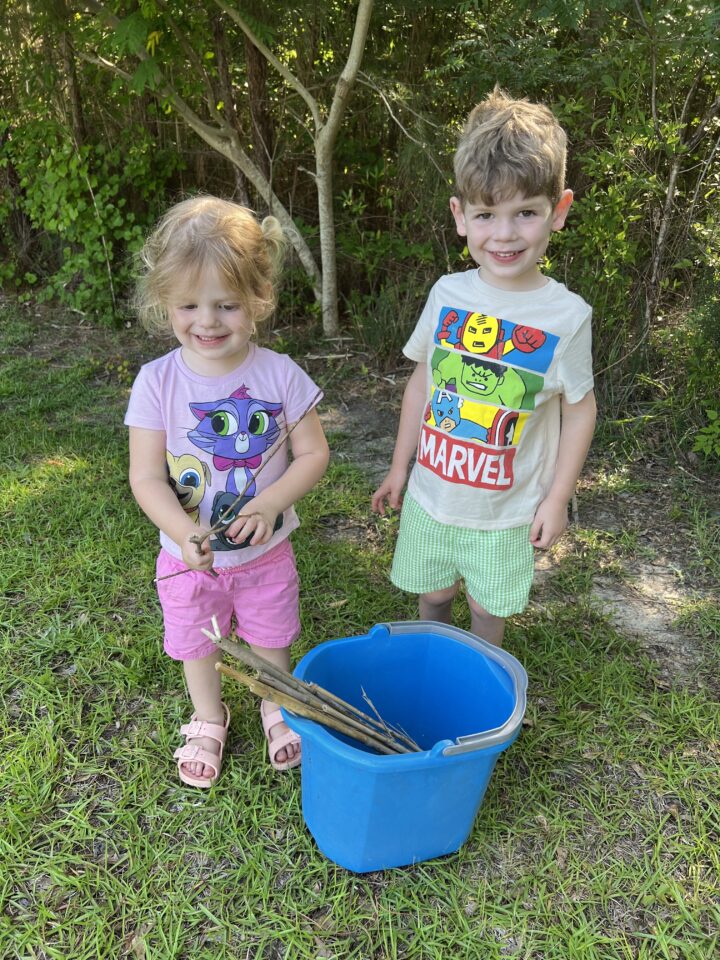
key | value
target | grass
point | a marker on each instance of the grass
(598, 837)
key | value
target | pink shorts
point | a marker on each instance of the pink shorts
(262, 596)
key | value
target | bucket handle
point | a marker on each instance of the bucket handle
(488, 738)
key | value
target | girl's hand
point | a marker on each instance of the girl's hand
(257, 523)
(194, 556)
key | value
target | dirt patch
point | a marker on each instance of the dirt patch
(364, 433)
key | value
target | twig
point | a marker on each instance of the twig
(301, 709)
(282, 687)
(391, 731)
(395, 732)
(179, 573)
(311, 693)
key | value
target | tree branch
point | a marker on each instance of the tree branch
(368, 82)
(349, 74)
(711, 112)
(223, 139)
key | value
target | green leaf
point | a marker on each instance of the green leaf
(147, 76)
(131, 33)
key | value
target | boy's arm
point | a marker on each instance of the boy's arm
(576, 432)
(411, 412)
(150, 487)
(311, 455)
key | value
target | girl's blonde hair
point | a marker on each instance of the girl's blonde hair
(509, 146)
(206, 232)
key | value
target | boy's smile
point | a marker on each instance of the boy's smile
(508, 238)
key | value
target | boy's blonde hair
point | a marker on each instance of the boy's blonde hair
(509, 146)
(207, 231)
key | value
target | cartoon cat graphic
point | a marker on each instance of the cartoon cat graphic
(237, 430)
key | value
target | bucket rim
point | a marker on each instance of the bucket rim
(498, 737)
(506, 731)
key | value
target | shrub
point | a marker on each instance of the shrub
(87, 209)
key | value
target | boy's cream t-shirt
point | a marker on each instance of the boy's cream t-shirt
(498, 364)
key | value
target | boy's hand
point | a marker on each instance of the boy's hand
(194, 556)
(390, 490)
(258, 524)
(549, 524)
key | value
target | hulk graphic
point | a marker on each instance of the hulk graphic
(485, 380)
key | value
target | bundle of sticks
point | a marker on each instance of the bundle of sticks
(310, 700)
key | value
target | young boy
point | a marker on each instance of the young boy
(500, 409)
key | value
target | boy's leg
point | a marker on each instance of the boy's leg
(424, 561)
(280, 656)
(438, 604)
(497, 566)
(484, 624)
(203, 683)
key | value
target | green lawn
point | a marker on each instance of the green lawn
(598, 838)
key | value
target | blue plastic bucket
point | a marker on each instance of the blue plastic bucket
(462, 699)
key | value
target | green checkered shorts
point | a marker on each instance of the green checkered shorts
(496, 565)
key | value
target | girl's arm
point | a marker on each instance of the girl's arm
(411, 412)
(310, 457)
(576, 431)
(151, 488)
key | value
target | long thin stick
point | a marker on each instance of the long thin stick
(330, 715)
(324, 699)
(395, 732)
(301, 709)
(179, 573)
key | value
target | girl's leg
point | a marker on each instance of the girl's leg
(203, 683)
(280, 656)
(485, 625)
(438, 604)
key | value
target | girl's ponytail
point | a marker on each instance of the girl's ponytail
(275, 242)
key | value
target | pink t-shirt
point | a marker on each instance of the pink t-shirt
(219, 431)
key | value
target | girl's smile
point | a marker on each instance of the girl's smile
(211, 325)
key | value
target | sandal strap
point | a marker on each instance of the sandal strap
(271, 719)
(283, 740)
(201, 728)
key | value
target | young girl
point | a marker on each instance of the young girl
(203, 419)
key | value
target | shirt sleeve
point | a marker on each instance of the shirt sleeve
(575, 373)
(144, 407)
(418, 346)
(302, 392)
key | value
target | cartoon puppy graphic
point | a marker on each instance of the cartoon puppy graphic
(188, 478)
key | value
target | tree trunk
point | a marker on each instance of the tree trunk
(72, 89)
(324, 147)
(263, 133)
(237, 155)
(328, 257)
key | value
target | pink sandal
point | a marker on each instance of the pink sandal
(191, 752)
(269, 720)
